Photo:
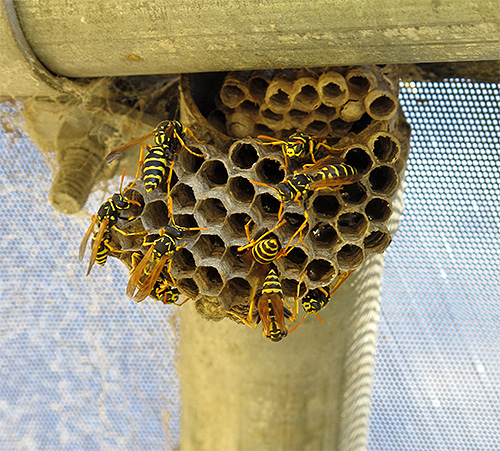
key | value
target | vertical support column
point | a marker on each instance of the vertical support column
(309, 391)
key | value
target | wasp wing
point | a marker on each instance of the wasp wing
(119, 150)
(97, 242)
(279, 311)
(148, 285)
(264, 314)
(320, 164)
(138, 272)
(85, 240)
(334, 182)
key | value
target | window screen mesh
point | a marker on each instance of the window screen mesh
(81, 366)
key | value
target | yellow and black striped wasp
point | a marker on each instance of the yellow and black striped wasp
(163, 290)
(161, 249)
(297, 145)
(266, 250)
(271, 311)
(168, 137)
(318, 298)
(327, 173)
(106, 219)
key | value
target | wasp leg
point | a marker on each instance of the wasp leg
(129, 234)
(139, 166)
(182, 303)
(288, 248)
(341, 279)
(169, 198)
(311, 151)
(112, 249)
(183, 144)
(243, 320)
(191, 134)
(254, 242)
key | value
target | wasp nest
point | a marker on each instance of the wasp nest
(355, 108)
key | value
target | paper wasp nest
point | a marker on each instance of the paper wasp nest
(356, 107)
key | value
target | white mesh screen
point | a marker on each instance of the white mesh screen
(83, 367)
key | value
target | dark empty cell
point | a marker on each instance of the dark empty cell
(358, 85)
(209, 246)
(326, 205)
(340, 127)
(297, 116)
(377, 242)
(183, 260)
(361, 123)
(332, 90)
(384, 180)
(261, 129)
(183, 196)
(358, 158)
(296, 256)
(188, 287)
(244, 156)
(354, 193)
(352, 224)
(319, 270)
(188, 222)
(188, 161)
(215, 172)
(155, 215)
(249, 108)
(289, 287)
(350, 256)
(213, 211)
(294, 220)
(209, 279)
(241, 189)
(316, 128)
(269, 172)
(236, 222)
(307, 96)
(218, 119)
(325, 112)
(237, 260)
(269, 204)
(258, 87)
(272, 117)
(238, 287)
(231, 95)
(280, 100)
(378, 210)
(324, 234)
(382, 106)
(386, 149)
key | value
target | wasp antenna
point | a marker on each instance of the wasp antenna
(319, 317)
(121, 181)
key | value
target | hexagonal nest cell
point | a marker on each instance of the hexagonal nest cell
(234, 191)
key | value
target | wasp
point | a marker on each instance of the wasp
(150, 267)
(168, 137)
(162, 290)
(327, 173)
(270, 309)
(106, 219)
(318, 298)
(266, 250)
(297, 145)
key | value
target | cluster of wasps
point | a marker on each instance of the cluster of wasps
(148, 277)
(156, 161)
(328, 172)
